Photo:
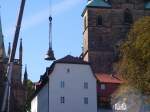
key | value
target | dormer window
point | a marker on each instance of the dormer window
(128, 19)
(99, 20)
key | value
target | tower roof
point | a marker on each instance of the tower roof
(25, 76)
(98, 3)
(147, 5)
(2, 48)
(9, 49)
(20, 48)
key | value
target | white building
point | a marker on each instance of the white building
(69, 85)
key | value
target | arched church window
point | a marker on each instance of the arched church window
(99, 20)
(128, 17)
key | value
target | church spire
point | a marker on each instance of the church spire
(9, 50)
(25, 81)
(25, 77)
(20, 52)
(2, 48)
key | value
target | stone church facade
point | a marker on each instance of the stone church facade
(106, 25)
(18, 87)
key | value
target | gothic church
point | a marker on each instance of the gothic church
(18, 87)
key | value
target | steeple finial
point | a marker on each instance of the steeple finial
(9, 49)
(2, 48)
(20, 52)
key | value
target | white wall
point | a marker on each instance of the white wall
(34, 105)
(43, 99)
(73, 91)
(40, 102)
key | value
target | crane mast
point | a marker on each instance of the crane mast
(5, 104)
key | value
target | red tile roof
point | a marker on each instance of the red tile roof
(107, 78)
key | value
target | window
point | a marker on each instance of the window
(128, 17)
(99, 20)
(103, 86)
(85, 85)
(86, 100)
(62, 100)
(62, 84)
(68, 70)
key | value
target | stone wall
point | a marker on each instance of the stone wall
(102, 41)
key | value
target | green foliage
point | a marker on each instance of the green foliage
(134, 65)
(30, 91)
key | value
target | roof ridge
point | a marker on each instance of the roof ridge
(71, 59)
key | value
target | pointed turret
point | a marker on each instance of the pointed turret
(2, 48)
(25, 80)
(9, 50)
(20, 52)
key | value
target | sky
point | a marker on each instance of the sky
(67, 30)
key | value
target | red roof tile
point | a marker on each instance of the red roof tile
(107, 78)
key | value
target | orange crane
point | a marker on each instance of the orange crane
(6, 98)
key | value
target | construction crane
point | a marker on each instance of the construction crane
(50, 54)
(6, 98)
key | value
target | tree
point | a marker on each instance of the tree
(134, 65)
(30, 91)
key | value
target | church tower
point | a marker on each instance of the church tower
(106, 25)
(18, 92)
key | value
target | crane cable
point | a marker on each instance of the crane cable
(50, 24)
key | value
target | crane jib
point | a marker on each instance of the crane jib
(11, 59)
